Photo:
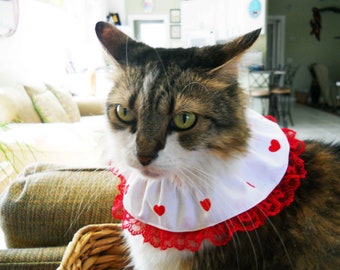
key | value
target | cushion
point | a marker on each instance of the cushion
(16, 105)
(31, 258)
(67, 102)
(48, 203)
(8, 111)
(47, 105)
(90, 105)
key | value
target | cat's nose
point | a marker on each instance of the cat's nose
(145, 160)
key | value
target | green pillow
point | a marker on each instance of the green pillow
(49, 108)
(67, 102)
(16, 105)
(8, 111)
(47, 105)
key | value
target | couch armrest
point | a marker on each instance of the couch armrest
(47, 204)
(90, 105)
(31, 258)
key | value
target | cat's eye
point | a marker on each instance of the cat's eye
(124, 114)
(183, 121)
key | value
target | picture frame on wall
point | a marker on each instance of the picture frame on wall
(113, 18)
(175, 15)
(175, 31)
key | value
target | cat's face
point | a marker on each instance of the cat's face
(171, 108)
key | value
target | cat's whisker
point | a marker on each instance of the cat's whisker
(164, 70)
(84, 203)
(251, 243)
(279, 237)
(186, 87)
(126, 51)
(259, 242)
(236, 245)
(195, 179)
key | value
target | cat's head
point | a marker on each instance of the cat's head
(168, 105)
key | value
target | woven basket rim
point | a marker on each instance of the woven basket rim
(91, 243)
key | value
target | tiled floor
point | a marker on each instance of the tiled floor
(311, 123)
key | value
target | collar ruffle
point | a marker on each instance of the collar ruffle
(280, 195)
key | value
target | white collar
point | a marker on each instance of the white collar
(252, 178)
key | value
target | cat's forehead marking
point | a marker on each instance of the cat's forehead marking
(149, 79)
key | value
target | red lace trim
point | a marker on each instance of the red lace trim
(220, 234)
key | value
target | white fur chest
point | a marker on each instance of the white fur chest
(146, 257)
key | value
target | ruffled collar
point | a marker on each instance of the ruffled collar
(255, 186)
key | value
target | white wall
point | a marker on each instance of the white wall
(49, 37)
(214, 20)
(36, 44)
(136, 7)
(224, 19)
(118, 6)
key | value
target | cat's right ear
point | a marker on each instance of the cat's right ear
(116, 43)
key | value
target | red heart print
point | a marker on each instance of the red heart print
(250, 184)
(274, 146)
(126, 189)
(206, 204)
(159, 209)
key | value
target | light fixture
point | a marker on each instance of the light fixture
(9, 17)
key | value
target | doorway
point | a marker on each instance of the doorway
(150, 29)
(275, 42)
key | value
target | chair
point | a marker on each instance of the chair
(258, 82)
(281, 90)
(328, 93)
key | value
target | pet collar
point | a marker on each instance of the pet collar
(256, 186)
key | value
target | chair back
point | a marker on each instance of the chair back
(259, 80)
(283, 78)
(322, 76)
(290, 72)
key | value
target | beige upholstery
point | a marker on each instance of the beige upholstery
(46, 205)
(43, 123)
(20, 108)
(328, 91)
(47, 258)
(90, 105)
(44, 103)
(67, 102)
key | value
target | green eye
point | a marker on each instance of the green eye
(184, 120)
(124, 114)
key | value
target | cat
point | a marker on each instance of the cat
(179, 123)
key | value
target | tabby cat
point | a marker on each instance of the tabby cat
(207, 183)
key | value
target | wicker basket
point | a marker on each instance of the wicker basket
(96, 247)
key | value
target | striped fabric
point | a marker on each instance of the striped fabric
(47, 204)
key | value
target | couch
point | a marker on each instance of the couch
(47, 124)
(45, 206)
(53, 179)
